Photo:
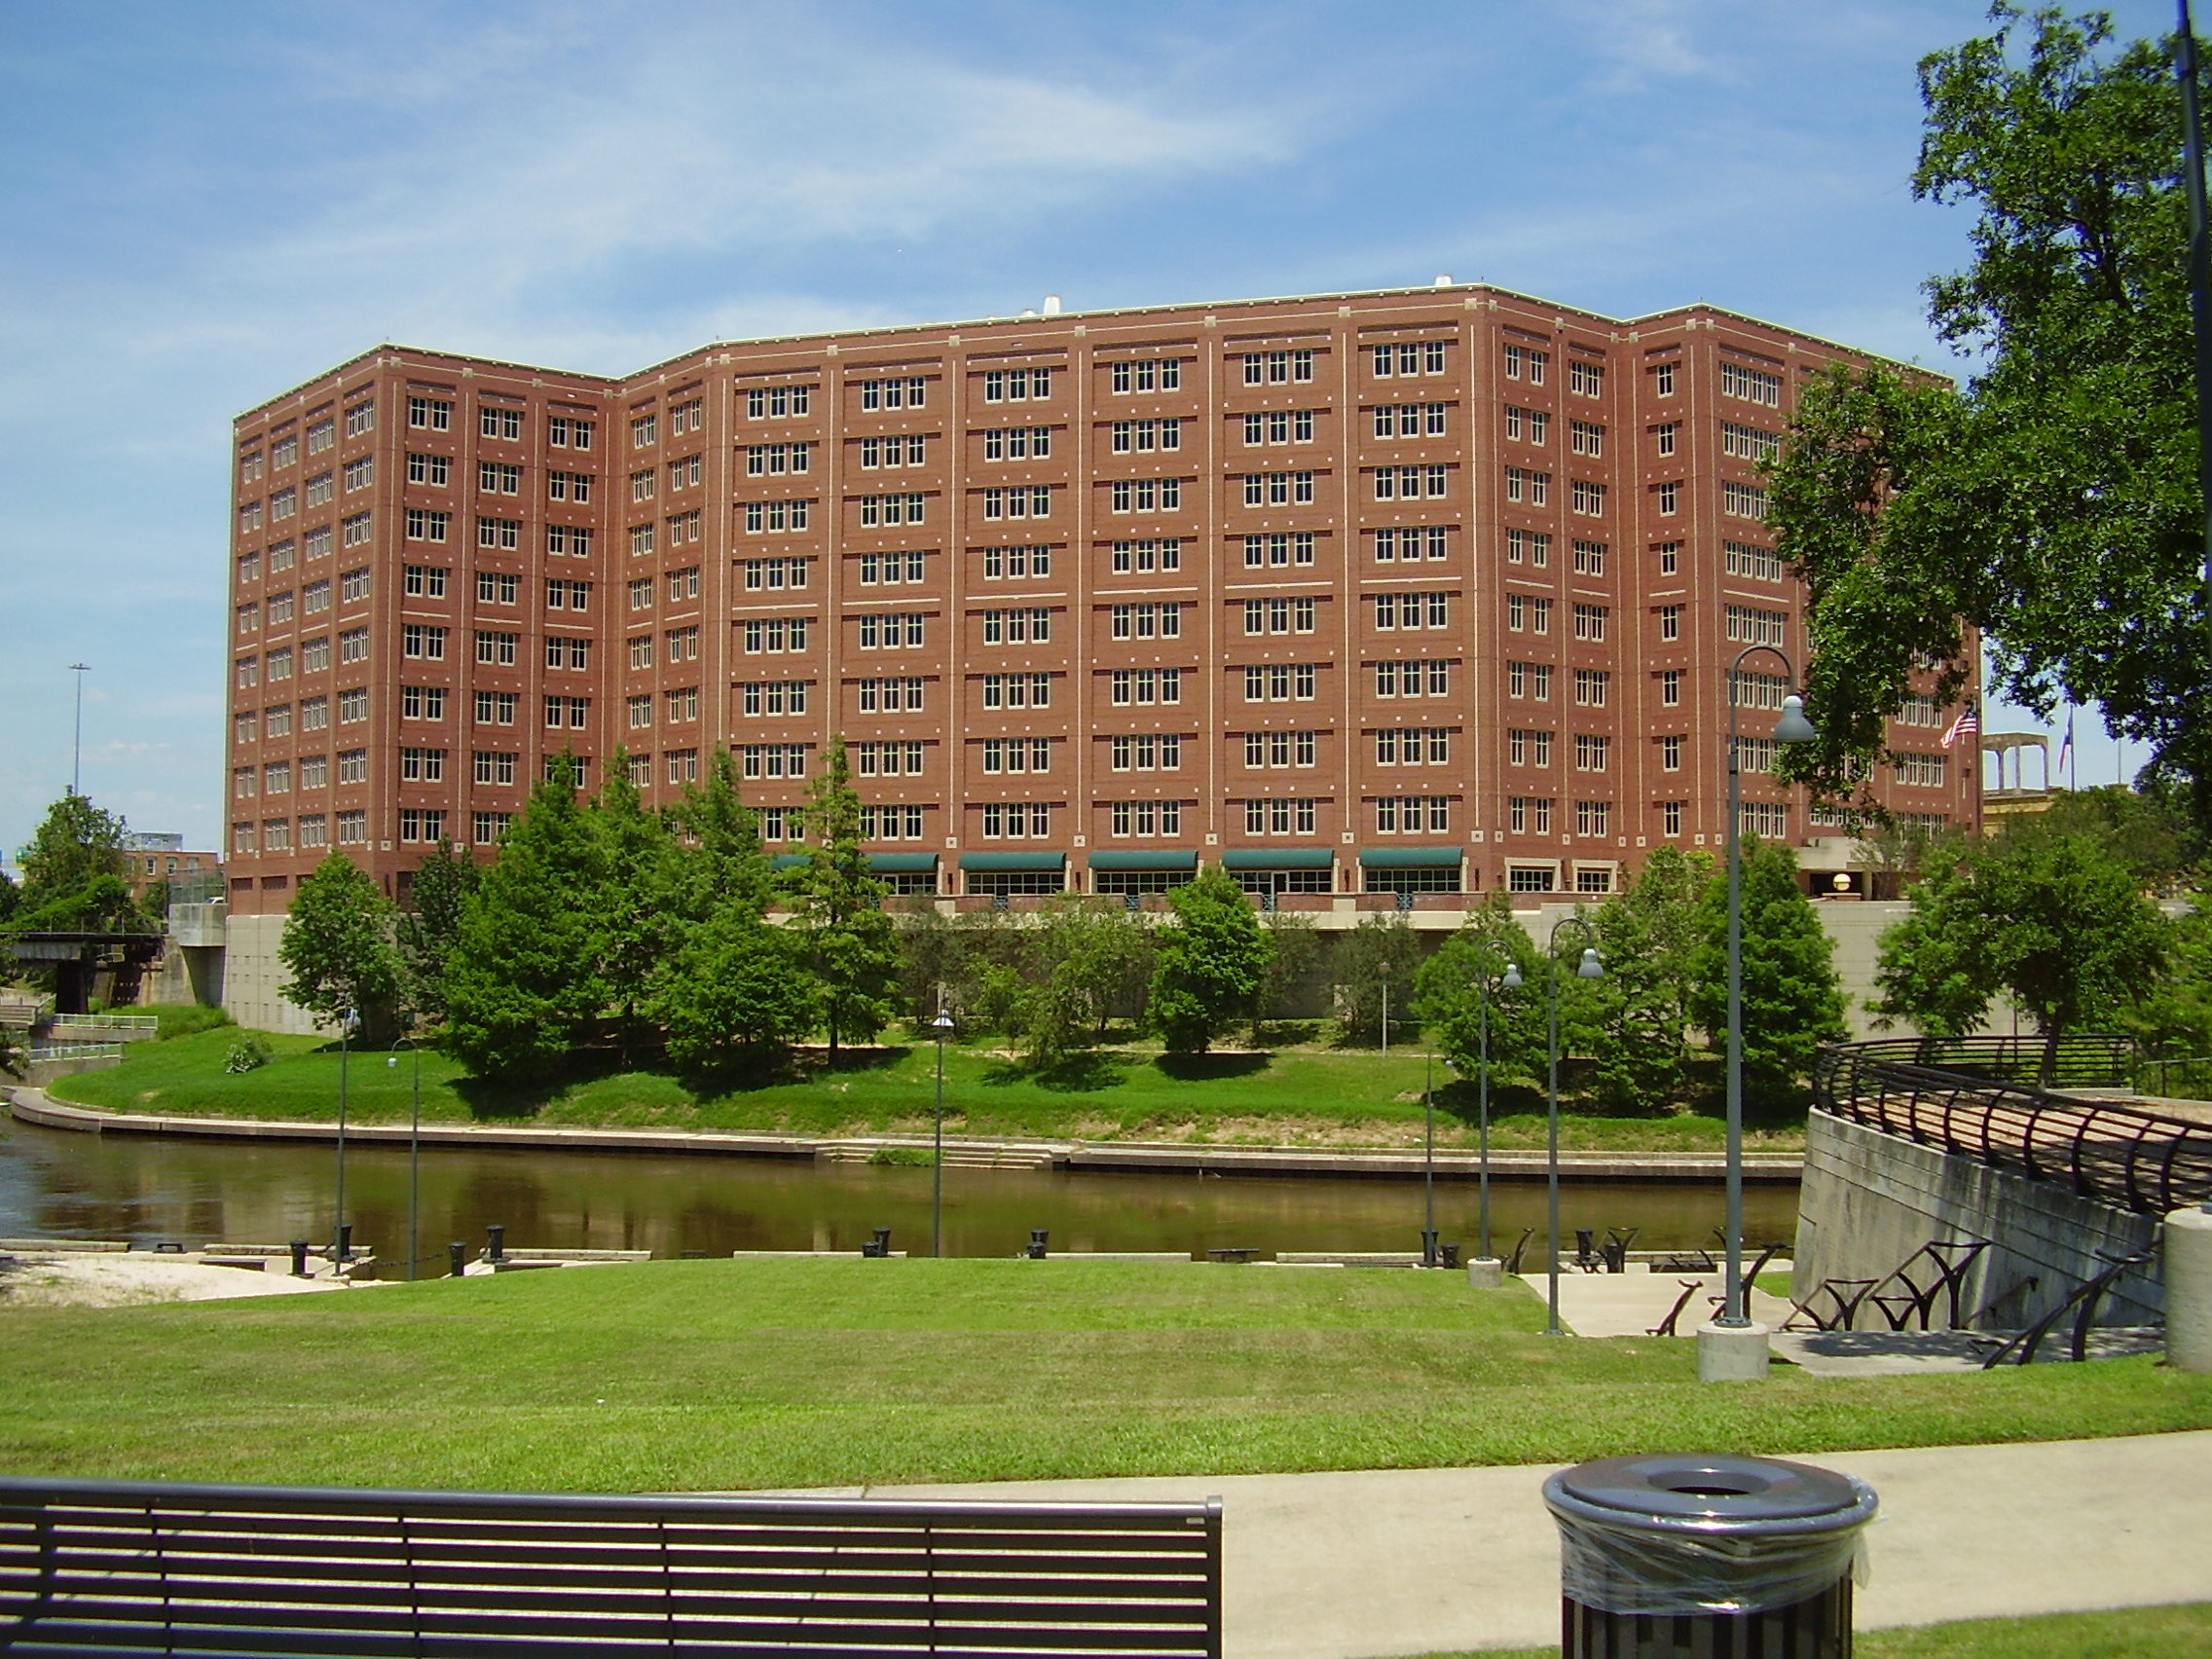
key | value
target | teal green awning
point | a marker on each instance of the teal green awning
(1014, 861)
(1278, 858)
(893, 864)
(1144, 860)
(788, 861)
(1410, 857)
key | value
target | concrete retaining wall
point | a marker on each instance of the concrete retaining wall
(251, 975)
(1871, 1200)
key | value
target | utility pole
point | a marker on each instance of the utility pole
(77, 743)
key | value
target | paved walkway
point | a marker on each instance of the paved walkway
(1425, 1561)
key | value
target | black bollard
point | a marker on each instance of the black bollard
(299, 1258)
(1428, 1246)
(1586, 1255)
(456, 1258)
(494, 1243)
(345, 1241)
(1037, 1238)
(879, 1245)
(1451, 1254)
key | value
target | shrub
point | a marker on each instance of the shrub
(248, 1054)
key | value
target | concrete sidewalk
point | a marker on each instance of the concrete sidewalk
(1423, 1561)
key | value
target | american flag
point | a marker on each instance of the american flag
(1968, 725)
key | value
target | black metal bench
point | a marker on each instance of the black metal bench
(131, 1567)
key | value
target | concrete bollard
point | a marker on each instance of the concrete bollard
(2189, 1289)
(1731, 1353)
(1486, 1272)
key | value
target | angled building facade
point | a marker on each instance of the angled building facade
(1376, 598)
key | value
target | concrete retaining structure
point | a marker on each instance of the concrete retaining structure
(1871, 1200)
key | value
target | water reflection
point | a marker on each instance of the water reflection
(57, 1184)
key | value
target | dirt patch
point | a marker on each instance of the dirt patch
(133, 1280)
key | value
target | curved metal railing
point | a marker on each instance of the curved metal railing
(1966, 1095)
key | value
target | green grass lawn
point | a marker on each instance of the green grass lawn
(721, 1375)
(1311, 1096)
(2130, 1633)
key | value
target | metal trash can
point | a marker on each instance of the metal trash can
(1674, 1555)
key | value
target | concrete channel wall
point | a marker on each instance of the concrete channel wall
(1871, 1200)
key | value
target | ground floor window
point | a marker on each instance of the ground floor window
(1002, 882)
(1137, 880)
(1314, 879)
(1427, 878)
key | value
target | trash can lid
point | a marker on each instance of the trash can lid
(1719, 1492)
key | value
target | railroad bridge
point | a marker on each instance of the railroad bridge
(2040, 1147)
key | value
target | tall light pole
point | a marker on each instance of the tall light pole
(1511, 981)
(347, 1019)
(77, 742)
(1731, 1348)
(414, 1150)
(942, 1024)
(1429, 1156)
(1589, 968)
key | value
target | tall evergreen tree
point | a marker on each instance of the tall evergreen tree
(430, 925)
(1791, 1002)
(851, 946)
(338, 948)
(722, 864)
(1211, 963)
(737, 992)
(524, 985)
(1648, 937)
(638, 930)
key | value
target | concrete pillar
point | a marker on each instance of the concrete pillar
(2189, 1289)
(1731, 1353)
(1486, 1272)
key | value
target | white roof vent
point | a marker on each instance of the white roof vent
(1442, 280)
(1051, 305)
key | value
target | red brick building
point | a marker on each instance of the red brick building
(1427, 590)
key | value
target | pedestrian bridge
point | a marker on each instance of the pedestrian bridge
(2039, 1146)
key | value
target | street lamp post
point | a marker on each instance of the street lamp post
(414, 1149)
(1510, 981)
(77, 740)
(347, 1020)
(942, 1024)
(1731, 1348)
(1589, 968)
(1429, 1156)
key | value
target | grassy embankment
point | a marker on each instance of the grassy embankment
(2130, 1633)
(778, 1373)
(1302, 1095)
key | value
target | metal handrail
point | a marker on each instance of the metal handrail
(1953, 1093)
(75, 1050)
(107, 1021)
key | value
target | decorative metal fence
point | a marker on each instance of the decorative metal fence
(1960, 1094)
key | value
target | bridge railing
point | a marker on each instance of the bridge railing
(1957, 1094)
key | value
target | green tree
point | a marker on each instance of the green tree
(524, 985)
(738, 993)
(1451, 986)
(74, 874)
(1791, 1002)
(1086, 961)
(338, 948)
(2053, 503)
(1212, 961)
(2053, 922)
(430, 925)
(1372, 965)
(851, 948)
(1647, 938)
(1297, 953)
(638, 927)
(722, 864)
(2147, 830)
(11, 896)
(2173, 1018)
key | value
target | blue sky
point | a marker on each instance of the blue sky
(209, 204)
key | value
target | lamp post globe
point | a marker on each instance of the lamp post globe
(942, 1025)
